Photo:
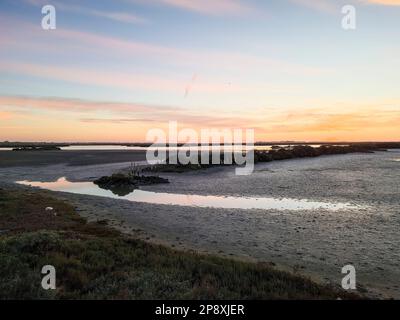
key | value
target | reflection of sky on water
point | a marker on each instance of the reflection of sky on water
(90, 188)
(114, 147)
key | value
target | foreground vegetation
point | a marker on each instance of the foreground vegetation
(95, 262)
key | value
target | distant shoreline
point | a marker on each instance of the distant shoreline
(6, 144)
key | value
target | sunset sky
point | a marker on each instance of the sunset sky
(114, 69)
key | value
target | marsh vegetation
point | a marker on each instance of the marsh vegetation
(94, 261)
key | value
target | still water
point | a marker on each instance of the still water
(204, 148)
(89, 188)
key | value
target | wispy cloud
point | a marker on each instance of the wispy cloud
(190, 85)
(5, 115)
(114, 120)
(184, 118)
(345, 118)
(327, 6)
(124, 17)
(115, 112)
(340, 122)
(79, 105)
(207, 7)
(120, 80)
(383, 2)
(31, 37)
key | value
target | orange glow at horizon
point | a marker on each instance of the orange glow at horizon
(32, 121)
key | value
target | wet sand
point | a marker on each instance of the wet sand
(314, 243)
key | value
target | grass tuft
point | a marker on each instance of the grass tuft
(93, 261)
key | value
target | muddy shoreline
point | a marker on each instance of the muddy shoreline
(69, 157)
(315, 244)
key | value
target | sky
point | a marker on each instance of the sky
(112, 70)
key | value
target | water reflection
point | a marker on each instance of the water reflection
(193, 148)
(137, 195)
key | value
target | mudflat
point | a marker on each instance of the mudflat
(315, 243)
(69, 157)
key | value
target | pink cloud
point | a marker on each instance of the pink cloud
(115, 16)
(5, 115)
(210, 6)
(383, 2)
(85, 42)
(117, 113)
(345, 122)
(116, 79)
(207, 7)
(326, 6)
(79, 105)
(220, 59)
